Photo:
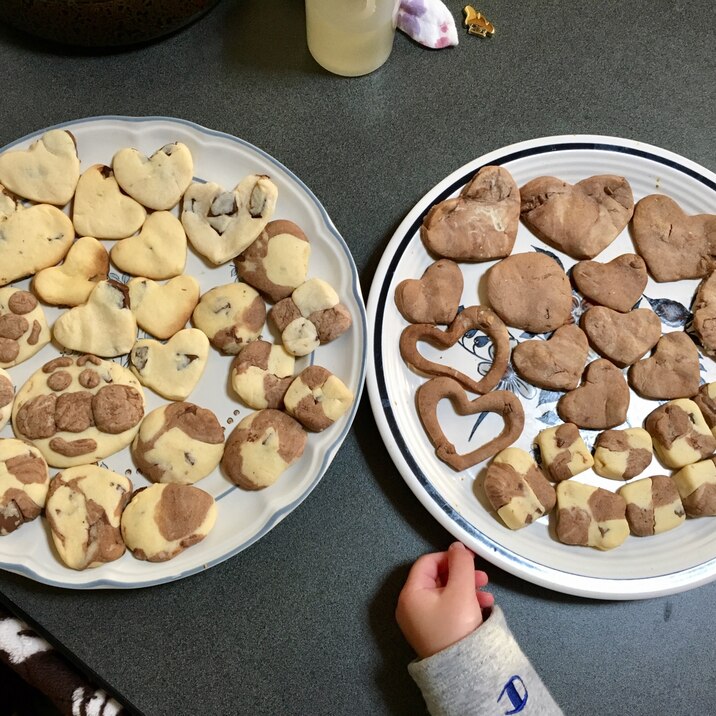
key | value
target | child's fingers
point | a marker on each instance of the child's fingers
(481, 578)
(485, 600)
(461, 563)
(425, 572)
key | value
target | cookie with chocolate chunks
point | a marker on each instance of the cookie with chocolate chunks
(564, 453)
(317, 398)
(261, 374)
(23, 326)
(7, 396)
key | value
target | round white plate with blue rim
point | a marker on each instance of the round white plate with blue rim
(243, 517)
(641, 567)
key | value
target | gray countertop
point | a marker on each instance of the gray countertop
(302, 622)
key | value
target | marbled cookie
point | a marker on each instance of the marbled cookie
(7, 396)
(84, 508)
(317, 398)
(178, 442)
(622, 454)
(78, 409)
(517, 489)
(162, 520)
(23, 328)
(261, 448)
(696, 484)
(261, 374)
(563, 451)
(163, 309)
(653, 505)
(706, 400)
(23, 484)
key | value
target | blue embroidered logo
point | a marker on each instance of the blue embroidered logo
(516, 692)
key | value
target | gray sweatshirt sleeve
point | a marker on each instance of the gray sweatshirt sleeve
(484, 674)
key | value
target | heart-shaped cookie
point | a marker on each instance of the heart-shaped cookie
(705, 314)
(159, 181)
(163, 309)
(672, 370)
(433, 298)
(101, 210)
(71, 283)
(46, 172)
(617, 284)
(581, 219)
(171, 369)
(673, 244)
(158, 251)
(501, 402)
(623, 338)
(472, 318)
(555, 364)
(601, 401)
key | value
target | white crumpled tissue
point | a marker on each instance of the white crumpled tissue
(428, 22)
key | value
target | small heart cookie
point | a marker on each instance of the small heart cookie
(601, 401)
(46, 172)
(617, 284)
(581, 219)
(555, 364)
(70, 284)
(474, 317)
(705, 314)
(501, 402)
(159, 181)
(433, 298)
(162, 310)
(158, 251)
(101, 210)
(623, 338)
(171, 369)
(7, 396)
(23, 327)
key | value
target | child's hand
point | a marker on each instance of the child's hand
(441, 601)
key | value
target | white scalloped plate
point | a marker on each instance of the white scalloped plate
(243, 517)
(641, 567)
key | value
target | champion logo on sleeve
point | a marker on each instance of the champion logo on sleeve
(514, 692)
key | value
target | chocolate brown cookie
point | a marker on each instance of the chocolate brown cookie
(705, 314)
(617, 284)
(433, 298)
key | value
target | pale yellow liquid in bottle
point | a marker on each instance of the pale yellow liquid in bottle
(350, 37)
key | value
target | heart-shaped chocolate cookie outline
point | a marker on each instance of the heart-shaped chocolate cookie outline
(474, 317)
(502, 402)
(626, 274)
(442, 279)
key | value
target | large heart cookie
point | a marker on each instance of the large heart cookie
(472, 318)
(672, 371)
(555, 364)
(171, 369)
(479, 225)
(158, 251)
(23, 327)
(221, 224)
(623, 338)
(581, 219)
(159, 181)
(433, 298)
(47, 172)
(601, 401)
(617, 284)
(101, 209)
(502, 402)
(70, 284)
(705, 314)
(163, 309)
(674, 245)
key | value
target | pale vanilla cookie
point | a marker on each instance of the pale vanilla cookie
(84, 508)
(171, 369)
(622, 454)
(590, 516)
(158, 251)
(517, 489)
(7, 396)
(162, 520)
(317, 398)
(24, 480)
(101, 210)
(104, 326)
(261, 448)
(564, 453)
(653, 505)
(696, 484)
(23, 327)
(231, 316)
(163, 309)
(178, 442)
(680, 433)
(261, 374)
(277, 262)
(311, 316)
(46, 172)
(706, 400)
(70, 284)
(221, 224)
(159, 181)
(78, 409)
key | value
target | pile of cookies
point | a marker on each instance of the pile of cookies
(532, 292)
(89, 402)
